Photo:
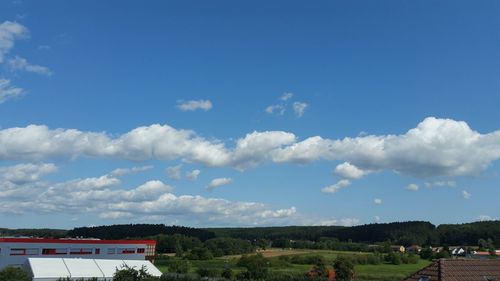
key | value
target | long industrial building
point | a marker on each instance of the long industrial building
(16, 251)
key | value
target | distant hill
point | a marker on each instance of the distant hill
(405, 233)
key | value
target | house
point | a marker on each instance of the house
(398, 248)
(414, 249)
(458, 270)
(485, 255)
(52, 269)
(457, 251)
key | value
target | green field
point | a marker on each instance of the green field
(380, 272)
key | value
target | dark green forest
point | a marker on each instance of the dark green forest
(355, 237)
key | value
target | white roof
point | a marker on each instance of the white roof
(48, 268)
(43, 268)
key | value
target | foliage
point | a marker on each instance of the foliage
(256, 265)
(200, 253)
(178, 266)
(229, 246)
(13, 274)
(344, 269)
(130, 274)
(122, 231)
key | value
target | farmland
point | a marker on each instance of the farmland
(278, 264)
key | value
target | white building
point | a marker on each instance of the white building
(51, 269)
(16, 251)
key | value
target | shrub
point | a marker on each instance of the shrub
(13, 274)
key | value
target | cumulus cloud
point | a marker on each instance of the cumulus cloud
(104, 196)
(441, 184)
(125, 171)
(276, 108)
(193, 105)
(336, 187)
(341, 222)
(9, 32)
(174, 172)
(377, 201)
(21, 64)
(286, 96)
(7, 91)
(412, 187)
(376, 219)
(466, 195)
(485, 218)
(193, 175)
(299, 108)
(347, 170)
(23, 173)
(435, 148)
(218, 182)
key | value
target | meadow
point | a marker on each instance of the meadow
(278, 264)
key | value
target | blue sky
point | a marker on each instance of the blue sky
(247, 113)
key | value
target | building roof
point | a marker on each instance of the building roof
(53, 268)
(459, 270)
(74, 241)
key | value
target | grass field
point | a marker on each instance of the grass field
(379, 272)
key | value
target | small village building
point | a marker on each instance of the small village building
(459, 270)
(51, 269)
(398, 248)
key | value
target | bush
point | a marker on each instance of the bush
(208, 272)
(178, 266)
(227, 273)
(14, 274)
(256, 266)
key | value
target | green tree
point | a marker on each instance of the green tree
(130, 274)
(178, 266)
(344, 269)
(13, 274)
(256, 265)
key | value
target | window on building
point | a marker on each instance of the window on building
(126, 251)
(111, 251)
(17, 252)
(32, 252)
(141, 250)
(97, 251)
(59, 251)
(80, 251)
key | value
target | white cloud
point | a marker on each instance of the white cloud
(102, 196)
(23, 173)
(412, 187)
(436, 147)
(485, 218)
(466, 195)
(376, 219)
(336, 187)
(193, 105)
(256, 147)
(7, 91)
(299, 108)
(125, 171)
(193, 175)
(218, 182)
(377, 201)
(279, 213)
(441, 184)
(286, 96)
(347, 170)
(9, 32)
(341, 222)
(174, 172)
(276, 108)
(18, 63)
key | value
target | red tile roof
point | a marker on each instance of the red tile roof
(459, 270)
